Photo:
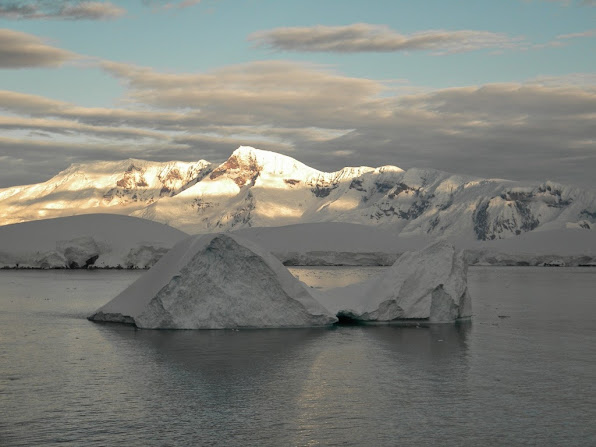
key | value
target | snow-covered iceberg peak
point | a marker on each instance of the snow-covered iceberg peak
(216, 281)
(429, 284)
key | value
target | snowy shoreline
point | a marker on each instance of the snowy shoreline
(366, 259)
(107, 241)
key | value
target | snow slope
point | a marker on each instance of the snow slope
(337, 243)
(333, 243)
(214, 282)
(102, 240)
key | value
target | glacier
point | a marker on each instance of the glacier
(429, 284)
(217, 281)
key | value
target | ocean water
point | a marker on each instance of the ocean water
(522, 372)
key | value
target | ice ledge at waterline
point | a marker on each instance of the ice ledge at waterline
(222, 281)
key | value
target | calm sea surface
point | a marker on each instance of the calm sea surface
(523, 372)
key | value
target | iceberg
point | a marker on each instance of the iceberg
(430, 284)
(216, 281)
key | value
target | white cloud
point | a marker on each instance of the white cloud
(20, 50)
(588, 33)
(159, 5)
(568, 3)
(540, 129)
(364, 37)
(499, 130)
(279, 93)
(59, 9)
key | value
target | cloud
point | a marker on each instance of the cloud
(561, 2)
(564, 39)
(364, 37)
(182, 4)
(165, 4)
(31, 160)
(522, 130)
(77, 151)
(38, 106)
(588, 33)
(540, 129)
(187, 120)
(59, 9)
(569, 80)
(511, 131)
(22, 50)
(570, 2)
(66, 127)
(279, 93)
(90, 11)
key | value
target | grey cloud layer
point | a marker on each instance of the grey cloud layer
(364, 37)
(65, 127)
(38, 106)
(537, 130)
(275, 93)
(59, 9)
(21, 50)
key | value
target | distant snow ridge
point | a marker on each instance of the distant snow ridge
(332, 243)
(86, 241)
(430, 284)
(256, 188)
(215, 282)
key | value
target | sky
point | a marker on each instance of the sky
(497, 89)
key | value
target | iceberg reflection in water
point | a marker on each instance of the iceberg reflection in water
(526, 379)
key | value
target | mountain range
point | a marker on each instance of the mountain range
(256, 188)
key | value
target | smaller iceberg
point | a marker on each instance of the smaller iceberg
(216, 281)
(430, 284)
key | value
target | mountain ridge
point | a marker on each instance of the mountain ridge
(256, 188)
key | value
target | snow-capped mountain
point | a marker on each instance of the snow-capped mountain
(255, 188)
(113, 186)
